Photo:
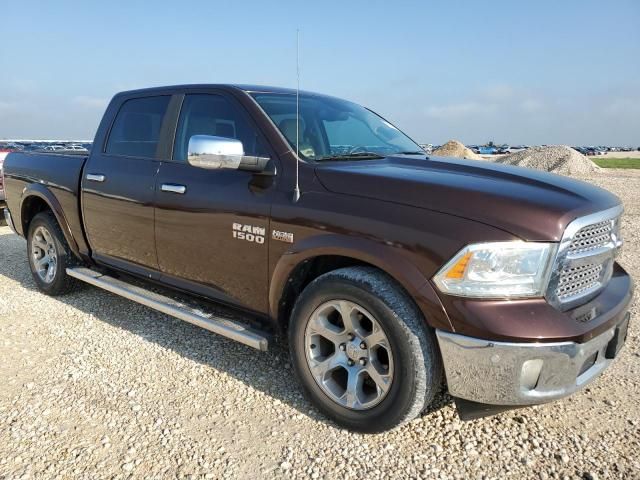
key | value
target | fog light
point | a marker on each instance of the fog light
(588, 363)
(530, 373)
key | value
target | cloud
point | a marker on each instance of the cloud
(90, 102)
(500, 92)
(458, 110)
(489, 101)
(49, 117)
(7, 106)
(623, 106)
(531, 105)
(511, 113)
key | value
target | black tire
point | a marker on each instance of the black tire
(417, 373)
(60, 283)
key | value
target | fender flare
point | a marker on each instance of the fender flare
(42, 192)
(381, 256)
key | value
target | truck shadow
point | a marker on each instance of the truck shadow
(269, 372)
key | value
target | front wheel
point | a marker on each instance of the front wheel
(362, 351)
(49, 255)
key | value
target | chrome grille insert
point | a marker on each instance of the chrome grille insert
(585, 258)
(591, 237)
(576, 280)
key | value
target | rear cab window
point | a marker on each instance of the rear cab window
(136, 128)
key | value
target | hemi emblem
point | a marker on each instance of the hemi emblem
(282, 236)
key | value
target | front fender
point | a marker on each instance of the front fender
(384, 257)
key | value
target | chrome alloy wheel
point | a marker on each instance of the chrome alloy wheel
(44, 254)
(348, 354)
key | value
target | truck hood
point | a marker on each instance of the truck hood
(531, 204)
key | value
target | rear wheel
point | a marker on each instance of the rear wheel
(362, 351)
(49, 255)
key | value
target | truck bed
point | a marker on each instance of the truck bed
(49, 174)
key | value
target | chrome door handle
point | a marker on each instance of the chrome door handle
(95, 177)
(173, 188)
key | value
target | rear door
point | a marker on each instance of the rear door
(198, 210)
(118, 186)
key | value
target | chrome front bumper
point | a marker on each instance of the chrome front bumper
(501, 373)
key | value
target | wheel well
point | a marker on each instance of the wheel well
(30, 208)
(303, 275)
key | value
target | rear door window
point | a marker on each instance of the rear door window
(136, 129)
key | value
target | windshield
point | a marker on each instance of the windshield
(331, 128)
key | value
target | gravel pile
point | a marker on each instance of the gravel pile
(454, 148)
(557, 159)
(94, 386)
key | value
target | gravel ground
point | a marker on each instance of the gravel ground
(557, 159)
(94, 386)
(453, 148)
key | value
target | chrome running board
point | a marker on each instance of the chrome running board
(222, 326)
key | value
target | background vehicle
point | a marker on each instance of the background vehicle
(487, 150)
(78, 149)
(53, 148)
(383, 267)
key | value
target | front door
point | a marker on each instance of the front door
(212, 226)
(118, 187)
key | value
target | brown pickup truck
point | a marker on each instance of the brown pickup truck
(390, 273)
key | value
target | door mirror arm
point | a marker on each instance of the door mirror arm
(258, 165)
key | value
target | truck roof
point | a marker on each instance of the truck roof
(224, 86)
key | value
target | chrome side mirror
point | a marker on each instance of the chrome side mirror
(210, 152)
(206, 151)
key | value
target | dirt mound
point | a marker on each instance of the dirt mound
(557, 159)
(454, 148)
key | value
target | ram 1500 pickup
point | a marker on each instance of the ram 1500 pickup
(390, 273)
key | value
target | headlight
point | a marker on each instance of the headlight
(498, 270)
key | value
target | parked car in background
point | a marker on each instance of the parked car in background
(76, 148)
(10, 147)
(487, 150)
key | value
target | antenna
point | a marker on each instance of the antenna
(296, 190)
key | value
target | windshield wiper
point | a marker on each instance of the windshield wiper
(352, 156)
(415, 152)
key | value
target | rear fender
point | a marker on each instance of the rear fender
(42, 192)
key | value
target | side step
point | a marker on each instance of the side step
(221, 326)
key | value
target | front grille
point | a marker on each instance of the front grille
(585, 259)
(591, 237)
(578, 280)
